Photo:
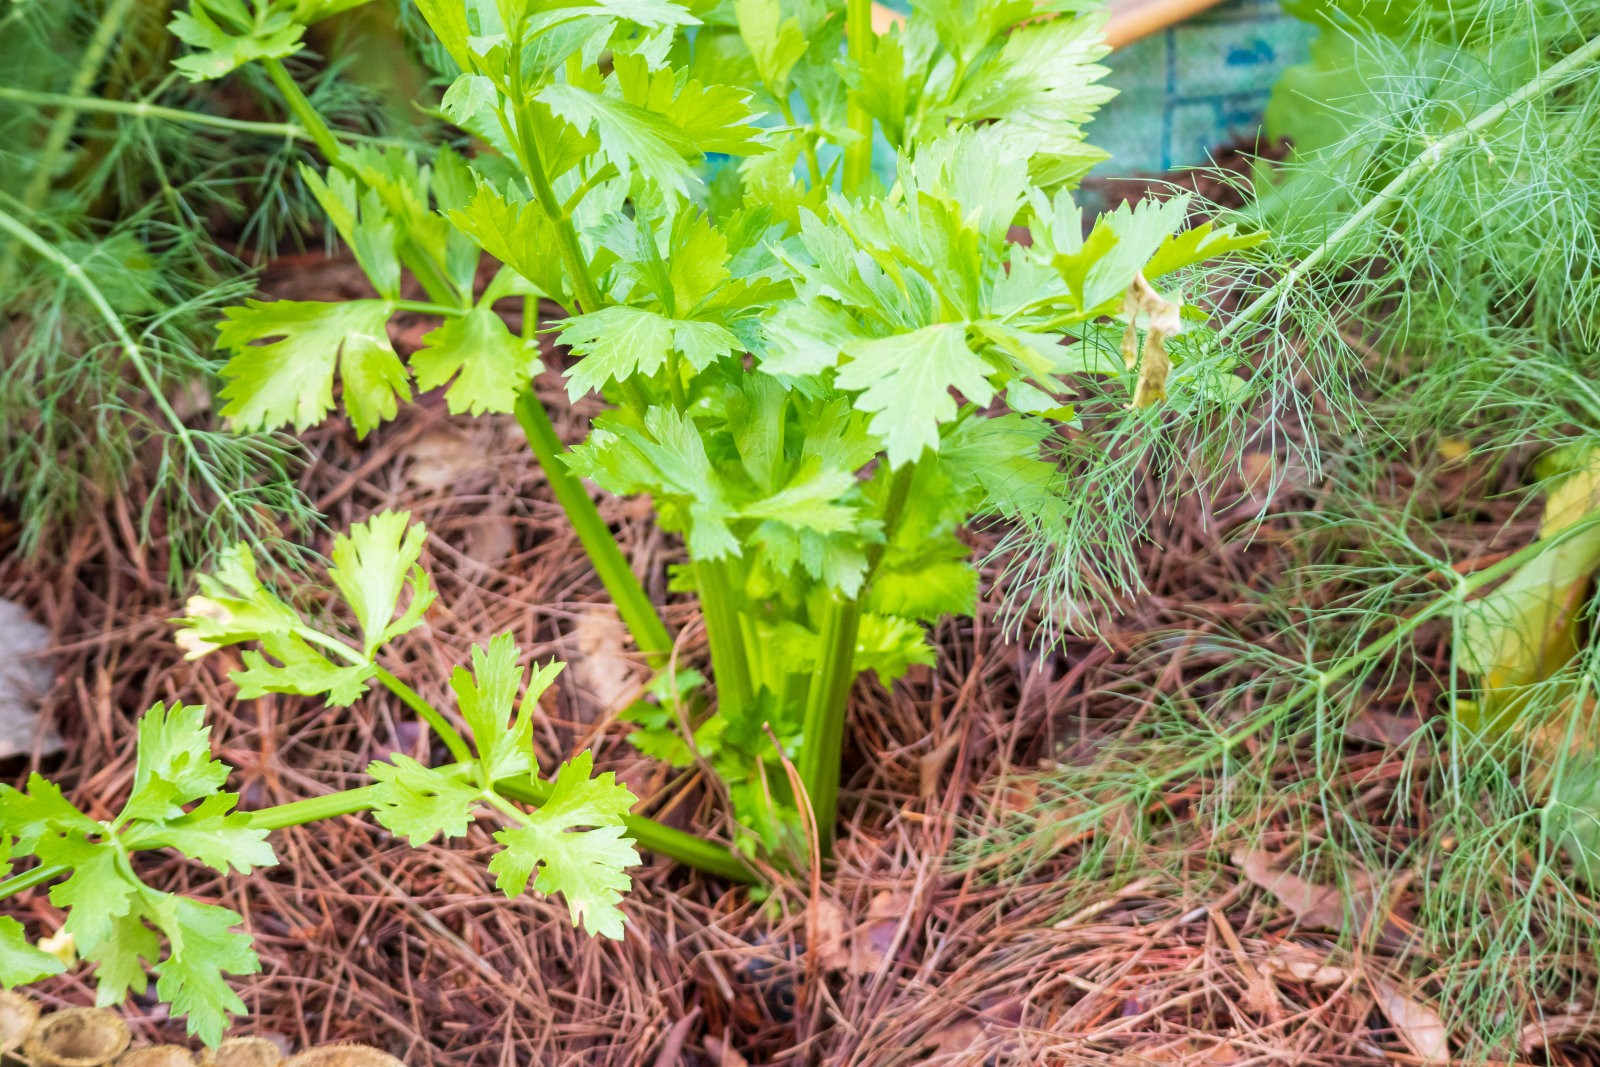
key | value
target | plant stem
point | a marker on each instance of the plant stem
(28, 879)
(858, 153)
(680, 846)
(1548, 80)
(427, 272)
(828, 698)
(729, 663)
(134, 355)
(432, 716)
(408, 696)
(140, 109)
(625, 589)
(94, 54)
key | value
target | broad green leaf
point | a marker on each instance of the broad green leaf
(121, 959)
(295, 667)
(221, 45)
(419, 803)
(487, 696)
(20, 962)
(490, 365)
(204, 947)
(575, 845)
(776, 43)
(619, 342)
(364, 225)
(631, 138)
(665, 456)
(40, 811)
(926, 592)
(285, 354)
(517, 234)
(95, 895)
(174, 765)
(213, 834)
(889, 646)
(371, 565)
(905, 382)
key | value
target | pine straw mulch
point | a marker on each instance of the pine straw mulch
(919, 958)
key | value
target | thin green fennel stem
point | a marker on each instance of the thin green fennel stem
(858, 153)
(1548, 80)
(139, 109)
(828, 698)
(66, 120)
(134, 355)
(427, 273)
(638, 613)
(1462, 589)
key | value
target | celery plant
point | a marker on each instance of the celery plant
(575, 841)
(817, 378)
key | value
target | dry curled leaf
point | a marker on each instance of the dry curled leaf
(1162, 321)
(1294, 963)
(1418, 1025)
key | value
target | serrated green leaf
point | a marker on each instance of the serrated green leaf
(174, 765)
(95, 895)
(372, 563)
(889, 646)
(121, 959)
(301, 670)
(20, 962)
(518, 234)
(775, 43)
(285, 354)
(905, 381)
(926, 592)
(204, 947)
(574, 845)
(418, 803)
(619, 342)
(490, 365)
(41, 810)
(213, 834)
(220, 46)
(364, 225)
(665, 456)
(486, 696)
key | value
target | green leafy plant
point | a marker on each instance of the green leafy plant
(819, 375)
(571, 834)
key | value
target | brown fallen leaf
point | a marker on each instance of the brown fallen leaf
(602, 668)
(1299, 964)
(862, 948)
(1314, 905)
(1418, 1025)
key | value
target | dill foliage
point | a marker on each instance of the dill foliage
(1435, 273)
(116, 179)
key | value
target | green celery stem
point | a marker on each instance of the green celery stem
(827, 701)
(858, 153)
(826, 705)
(627, 592)
(729, 662)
